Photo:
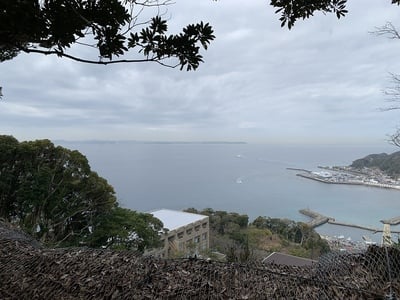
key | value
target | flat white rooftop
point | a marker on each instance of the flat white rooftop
(173, 219)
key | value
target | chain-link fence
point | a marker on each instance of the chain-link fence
(29, 271)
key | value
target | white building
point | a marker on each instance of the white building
(323, 174)
(185, 233)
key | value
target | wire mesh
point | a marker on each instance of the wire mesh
(30, 271)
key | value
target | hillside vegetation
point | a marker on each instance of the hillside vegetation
(52, 194)
(388, 163)
(242, 241)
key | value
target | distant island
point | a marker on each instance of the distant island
(145, 142)
(376, 170)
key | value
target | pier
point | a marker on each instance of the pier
(296, 169)
(375, 230)
(392, 221)
(313, 177)
(317, 220)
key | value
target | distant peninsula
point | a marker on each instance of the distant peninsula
(375, 170)
(145, 142)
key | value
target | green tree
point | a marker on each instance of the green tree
(8, 182)
(52, 193)
(223, 222)
(296, 232)
(115, 28)
(121, 228)
(275, 225)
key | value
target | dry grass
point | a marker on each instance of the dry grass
(28, 271)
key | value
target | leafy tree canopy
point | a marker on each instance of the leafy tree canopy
(115, 27)
(112, 27)
(297, 232)
(52, 193)
(121, 228)
(293, 10)
(223, 222)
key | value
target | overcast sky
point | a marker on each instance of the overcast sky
(321, 82)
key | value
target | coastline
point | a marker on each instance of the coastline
(310, 175)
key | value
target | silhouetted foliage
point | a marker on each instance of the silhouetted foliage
(293, 10)
(112, 27)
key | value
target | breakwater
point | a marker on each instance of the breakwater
(318, 219)
(297, 169)
(392, 221)
(313, 177)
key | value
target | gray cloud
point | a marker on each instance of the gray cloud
(322, 80)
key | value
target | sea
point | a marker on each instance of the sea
(251, 179)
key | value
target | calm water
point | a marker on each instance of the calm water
(244, 178)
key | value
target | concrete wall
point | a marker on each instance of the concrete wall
(187, 240)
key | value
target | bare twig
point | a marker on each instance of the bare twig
(388, 30)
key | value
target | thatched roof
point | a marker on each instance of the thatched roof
(28, 271)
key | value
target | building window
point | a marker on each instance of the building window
(197, 228)
(180, 235)
(197, 239)
(204, 236)
(204, 225)
(181, 246)
(189, 231)
(203, 246)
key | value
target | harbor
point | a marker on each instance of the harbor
(349, 176)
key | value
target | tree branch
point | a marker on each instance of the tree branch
(388, 30)
(393, 93)
(394, 139)
(99, 62)
(113, 35)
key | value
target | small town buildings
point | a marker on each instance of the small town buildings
(184, 233)
(322, 174)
